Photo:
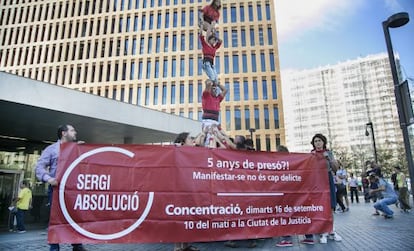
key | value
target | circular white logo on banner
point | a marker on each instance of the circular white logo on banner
(75, 225)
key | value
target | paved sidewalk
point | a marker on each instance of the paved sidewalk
(359, 229)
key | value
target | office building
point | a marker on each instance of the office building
(147, 53)
(338, 101)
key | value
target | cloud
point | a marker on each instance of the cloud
(393, 6)
(296, 17)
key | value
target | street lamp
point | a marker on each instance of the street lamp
(251, 130)
(369, 124)
(395, 21)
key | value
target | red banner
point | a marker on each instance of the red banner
(143, 193)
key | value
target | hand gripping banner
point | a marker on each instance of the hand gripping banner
(146, 193)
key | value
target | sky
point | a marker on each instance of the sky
(313, 33)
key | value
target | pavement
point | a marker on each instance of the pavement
(360, 230)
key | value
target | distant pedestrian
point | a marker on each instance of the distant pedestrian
(353, 186)
(403, 195)
(23, 204)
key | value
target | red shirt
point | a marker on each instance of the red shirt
(210, 14)
(208, 50)
(211, 105)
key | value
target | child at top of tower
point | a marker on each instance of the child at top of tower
(210, 15)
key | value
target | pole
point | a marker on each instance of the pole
(373, 142)
(397, 93)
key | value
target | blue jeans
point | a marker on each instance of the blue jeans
(210, 71)
(382, 205)
(20, 219)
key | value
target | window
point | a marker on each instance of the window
(236, 90)
(166, 43)
(246, 90)
(132, 71)
(272, 61)
(266, 117)
(164, 94)
(225, 39)
(226, 64)
(190, 94)
(143, 22)
(141, 45)
(165, 68)
(183, 18)
(191, 18)
(252, 37)
(182, 67)
(200, 66)
(268, 15)
(128, 22)
(191, 41)
(134, 46)
(157, 44)
(191, 67)
(268, 144)
(139, 96)
(175, 17)
(151, 21)
(167, 20)
(234, 42)
(255, 91)
(276, 116)
(181, 93)
(235, 64)
(259, 12)
(224, 12)
(228, 119)
(147, 95)
(254, 66)
(149, 45)
(227, 86)
(242, 14)
(157, 68)
(250, 13)
(120, 25)
(199, 91)
(172, 94)
(174, 67)
(183, 42)
(136, 23)
(264, 89)
(126, 47)
(256, 118)
(263, 61)
(174, 45)
(237, 118)
(148, 76)
(261, 38)
(243, 37)
(233, 14)
(244, 62)
(274, 89)
(269, 36)
(247, 117)
(140, 65)
(155, 101)
(159, 20)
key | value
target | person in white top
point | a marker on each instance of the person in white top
(353, 187)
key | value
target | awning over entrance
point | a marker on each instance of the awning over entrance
(32, 110)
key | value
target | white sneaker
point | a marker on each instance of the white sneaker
(335, 236)
(323, 239)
